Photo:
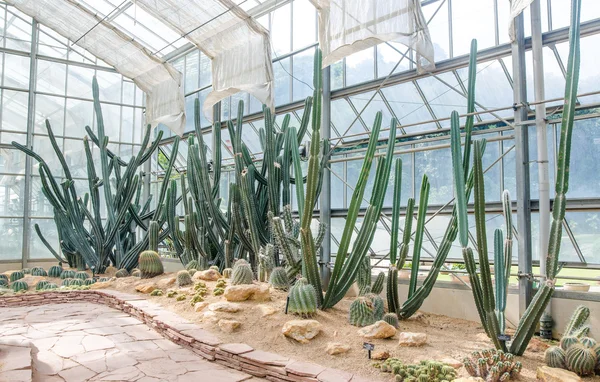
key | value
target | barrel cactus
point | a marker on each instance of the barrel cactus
(38, 271)
(567, 341)
(555, 357)
(150, 265)
(136, 273)
(156, 292)
(378, 306)
(192, 265)
(26, 271)
(303, 298)
(66, 282)
(227, 272)
(581, 359)
(103, 279)
(3, 282)
(17, 275)
(121, 273)
(67, 274)
(392, 319)
(51, 286)
(19, 286)
(279, 279)
(41, 285)
(377, 286)
(588, 342)
(361, 312)
(3, 277)
(55, 271)
(89, 281)
(75, 282)
(183, 278)
(82, 275)
(242, 273)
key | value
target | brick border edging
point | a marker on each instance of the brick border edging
(236, 356)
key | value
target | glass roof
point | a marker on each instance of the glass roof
(146, 29)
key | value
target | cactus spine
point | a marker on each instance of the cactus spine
(242, 273)
(279, 279)
(303, 299)
(150, 265)
(184, 278)
(19, 285)
(361, 312)
(55, 271)
(17, 275)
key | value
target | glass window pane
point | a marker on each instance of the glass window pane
(472, 19)
(303, 74)
(128, 92)
(51, 77)
(12, 161)
(14, 110)
(360, 67)
(342, 116)
(408, 106)
(43, 147)
(441, 96)
(372, 108)
(388, 56)
(437, 165)
(18, 32)
(37, 249)
(51, 109)
(79, 82)
(109, 85)
(127, 125)
(112, 121)
(79, 114)
(280, 30)
(11, 195)
(305, 24)
(585, 159)
(281, 70)
(438, 28)
(16, 71)
(192, 61)
(11, 246)
(205, 71)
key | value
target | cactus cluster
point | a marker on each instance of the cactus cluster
(19, 285)
(302, 299)
(425, 371)
(82, 275)
(492, 365)
(242, 273)
(40, 285)
(16, 275)
(579, 355)
(150, 265)
(184, 278)
(55, 271)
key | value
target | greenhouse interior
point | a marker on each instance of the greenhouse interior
(300, 190)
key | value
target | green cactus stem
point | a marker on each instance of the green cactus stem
(40, 285)
(555, 357)
(377, 286)
(153, 229)
(361, 312)
(82, 275)
(302, 299)
(51, 286)
(67, 274)
(581, 359)
(38, 272)
(242, 273)
(392, 319)
(578, 319)
(55, 271)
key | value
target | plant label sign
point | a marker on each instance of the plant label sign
(287, 304)
(369, 347)
(504, 337)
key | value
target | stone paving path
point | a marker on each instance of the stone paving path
(90, 342)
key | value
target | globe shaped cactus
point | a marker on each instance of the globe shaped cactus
(55, 271)
(150, 265)
(302, 299)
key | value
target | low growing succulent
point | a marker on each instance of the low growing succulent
(51, 286)
(181, 297)
(82, 275)
(55, 271)
(221, 283)
(361, 312)
(492, 365)
(198, 297)
(171, 294)
(76, 282)
(218, 291)
(3, 277)
(103, 279)
(555, 357)
(38, 271)
(303, 299)
(89, 281)
(184, 278)
(156, 292)
(18, 286)
(425, 371)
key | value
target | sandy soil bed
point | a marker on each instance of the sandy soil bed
(447, 337)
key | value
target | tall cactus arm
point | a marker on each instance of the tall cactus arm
(470, 107)
(406, 235)
(459, 180)
(248, 200)
(396, 211)
(508, 242)
(305, 119)
(419, 231)
(320, 235)
(47, 244)
(499, 272)
(295, 156)
(269, 160)
(217, 156)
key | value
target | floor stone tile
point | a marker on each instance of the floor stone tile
(94, 342)
(77, 374)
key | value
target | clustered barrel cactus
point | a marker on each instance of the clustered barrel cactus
(361, 312)
(425, 371)
(492, 365)
(38, 271)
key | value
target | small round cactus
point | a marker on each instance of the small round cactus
(75, 282)
(303, 298)
(378, 306)
(103, 279)
(567, 341)
(183, 278)
(82, 275)
(192, 271)
(279, 279)
(3, 282)
(227, 273)
(242, 273)
(66, 282)
(156, 292)
(171, 294)
(55, 271)
(198, 297)
(361, 312)
(181, 297)
(136, 273)
(150, 265)
(51, 286)
(3, 277)
(17, 275)
(121, 273)
(41, 285)
(19, 286)
(38, 271)
(218, 291)
(221, 283)
(588, 342)
(214, 267)
(555, 357)
(67, 274)
(581, 359)
(392, 319)
(192, 265)
(377, 286)
(89, 281)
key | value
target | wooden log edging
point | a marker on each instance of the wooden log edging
(238, 356)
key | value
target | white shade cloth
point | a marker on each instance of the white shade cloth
(349, 26)
(238, 45)
(516, 7)
(158, 79)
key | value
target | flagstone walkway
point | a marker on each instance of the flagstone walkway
(90, 342)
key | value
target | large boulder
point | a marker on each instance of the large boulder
(257, 292)
(301, 330)
(207, 275)
(412, 339)
(380, 329)
(551, 374)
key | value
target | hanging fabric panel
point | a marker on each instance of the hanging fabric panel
(238, 45)
(159, 80)
(349, 26)
(516, 7)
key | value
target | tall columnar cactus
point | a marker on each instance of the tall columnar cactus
(150, 265)
(302, 299)
(363, 277)
(577, 321)
(361, 312)
(242, 273)
(377, 286)
(153, 236)
(55, 271)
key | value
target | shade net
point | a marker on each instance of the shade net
(238, 45)
(159, 80)
(516, 7)
(349, 26)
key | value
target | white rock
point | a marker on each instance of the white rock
(550, 374)
(199, 306)
(224, 306)
(207, 275)
(412, 339)
(380, 329)
(266, 310)
(301, 330)
(334, 348)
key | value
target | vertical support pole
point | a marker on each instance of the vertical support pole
(29, 143)
(542, 137)
(325, 197)
(522, 165)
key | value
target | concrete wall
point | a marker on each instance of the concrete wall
(456, 301)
